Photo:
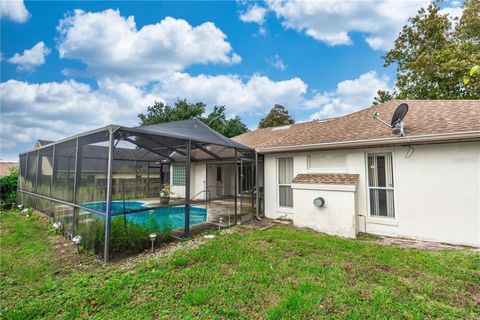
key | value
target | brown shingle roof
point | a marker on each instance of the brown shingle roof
(326, 178)
(425, 117)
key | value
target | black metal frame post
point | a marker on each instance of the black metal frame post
(108, 211)
(76, 182)
(240, 189)
(148, 179)
(236, 185)
(53, 171)
(262, 198)
(27, 155)
(38, 170)
(257, 187)
(187, 190)
(22, 181)
(52, 208)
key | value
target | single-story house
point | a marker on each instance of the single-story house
(366, 177)
(419, 178)
(6, 168)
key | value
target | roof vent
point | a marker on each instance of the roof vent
(396, 123)
(281, 128)
(324, 120)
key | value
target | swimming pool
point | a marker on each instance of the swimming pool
(168, 217)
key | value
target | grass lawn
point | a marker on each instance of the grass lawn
(279, 273)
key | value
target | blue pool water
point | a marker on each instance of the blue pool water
(171, 217)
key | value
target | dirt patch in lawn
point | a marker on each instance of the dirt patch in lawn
(67, 253)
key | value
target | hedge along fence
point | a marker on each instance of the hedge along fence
(126, 237)
(8, 189)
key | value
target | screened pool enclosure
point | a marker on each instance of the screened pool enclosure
(105, 184)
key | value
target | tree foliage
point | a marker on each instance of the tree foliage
(228, 127)
(182, 110)
(433, 55)
(278, 116)
(382, 96)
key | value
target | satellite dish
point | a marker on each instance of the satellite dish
(396, 123)
(399, 114)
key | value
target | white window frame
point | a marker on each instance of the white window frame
(283, 184)
(374, 218)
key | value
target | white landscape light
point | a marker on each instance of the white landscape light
(152, 237)
(25, 211)
(57, 225)
(20, 206)
(77, 240)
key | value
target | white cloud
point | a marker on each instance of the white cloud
(14, 10)
(349, 96)
(112, 46)
(55, 110)
(31, 58)
(254, 14)
(258, 93)
(332, 22)
(454, 11)
(276, 62)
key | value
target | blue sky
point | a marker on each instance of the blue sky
(67, 67)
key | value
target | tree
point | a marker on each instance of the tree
(278, 116)
(382, 96)
(182, 110)
(228, 127)
(433, 56)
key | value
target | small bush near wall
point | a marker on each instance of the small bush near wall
(8, 189)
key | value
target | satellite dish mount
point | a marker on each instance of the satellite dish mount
(396, 124)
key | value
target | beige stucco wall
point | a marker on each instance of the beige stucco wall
(226, 186)
(336, 217)
(437, 192)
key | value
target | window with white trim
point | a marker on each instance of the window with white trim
(178, 174)
(285, 177)
(381, 185)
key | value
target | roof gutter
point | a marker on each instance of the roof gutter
(406, 140)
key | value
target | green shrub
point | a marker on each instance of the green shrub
(125, 235)
(8, 189)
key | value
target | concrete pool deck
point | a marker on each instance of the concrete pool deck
(218, 211)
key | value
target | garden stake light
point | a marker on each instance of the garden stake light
(77, 240)
(153, 236)
(57, 226)
(220, 221)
